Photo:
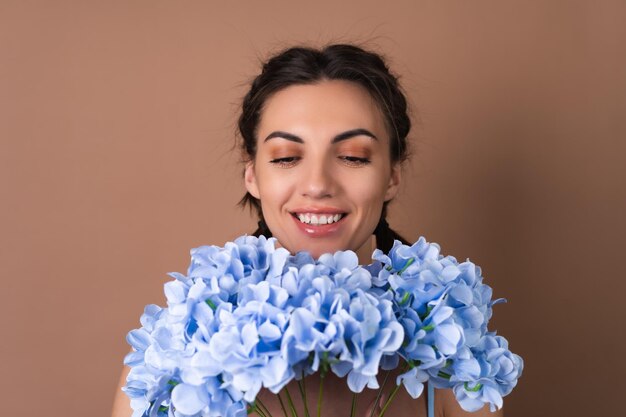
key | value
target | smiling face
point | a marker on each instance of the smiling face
(322, 170)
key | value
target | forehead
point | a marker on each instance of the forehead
(327, 107)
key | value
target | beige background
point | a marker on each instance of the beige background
(117, 123)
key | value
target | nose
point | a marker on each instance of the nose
(318, 180)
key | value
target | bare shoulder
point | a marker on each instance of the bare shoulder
(446, 405)
(121, 404)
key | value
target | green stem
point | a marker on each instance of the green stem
(319, 396)
(476, 388)
(380, 393)
(302, 389)
(393, 394)
(408, 263)
(353, 408)
(442, 374)
(290, 401)
(265, 411)
(395, 390)
(256, 409)
(282, 405)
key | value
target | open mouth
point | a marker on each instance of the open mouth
(318, 219)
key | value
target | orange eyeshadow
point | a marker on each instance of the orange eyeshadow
(284, 151)
(357, 151)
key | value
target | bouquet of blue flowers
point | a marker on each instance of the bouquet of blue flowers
(249, 316)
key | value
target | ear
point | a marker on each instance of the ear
(394, 182)
(249, 177)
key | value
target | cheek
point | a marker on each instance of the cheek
(367, 188)
(274, 187)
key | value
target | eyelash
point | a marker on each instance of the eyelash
(355, 160)
(290, 161)
(285, 162)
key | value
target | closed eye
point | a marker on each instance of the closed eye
(285, 162)
(355, 160)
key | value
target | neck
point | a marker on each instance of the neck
(365, 251)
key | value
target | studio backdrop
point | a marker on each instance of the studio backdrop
(118, 155)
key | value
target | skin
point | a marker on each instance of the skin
(324, 147)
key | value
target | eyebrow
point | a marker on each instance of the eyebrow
(338, 138)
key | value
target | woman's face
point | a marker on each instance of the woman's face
(322, 169)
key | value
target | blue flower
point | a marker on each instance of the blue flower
(156, 352)
(413, 380)
(488, 376)
(339, 324)
(189, 399)
(248, 316)
(208, 399)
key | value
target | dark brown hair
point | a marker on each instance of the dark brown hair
(304, 65)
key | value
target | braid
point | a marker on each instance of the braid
(385, 236)
(262, 229)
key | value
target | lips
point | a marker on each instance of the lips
(316, 219)
(318, 222)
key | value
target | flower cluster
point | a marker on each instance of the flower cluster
(248, 316)
(444, 308)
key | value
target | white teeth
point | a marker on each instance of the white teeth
(318, 220)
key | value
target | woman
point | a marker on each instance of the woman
(324, 136)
